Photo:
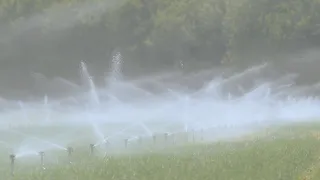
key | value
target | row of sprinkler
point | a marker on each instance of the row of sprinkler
(126, 142)
(154, 138)
(92, 147)
(166, 136)
(41, 154)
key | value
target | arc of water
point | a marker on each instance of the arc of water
(26, 153)
(115, 134)
(126, 85)
(155, 78)
(219, 82)
(96, 129)
(73, 86)
(257, 92)
(93, 92)
(305, 88)
(251, 70)
(134, 138)
(147, 130)
(39, 139)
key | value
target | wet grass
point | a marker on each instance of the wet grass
(277, 154)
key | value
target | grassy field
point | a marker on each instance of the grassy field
(274, 154)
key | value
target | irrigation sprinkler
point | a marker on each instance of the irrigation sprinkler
(106, 145)
(91, 146)
(12, 158)
(154, 137)
(41, 154)
(70, 151)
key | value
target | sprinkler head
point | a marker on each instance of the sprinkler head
(41, 153)
(12, 157)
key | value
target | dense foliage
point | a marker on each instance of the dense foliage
(155, 32)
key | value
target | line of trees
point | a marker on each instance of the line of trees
(152, 32)
(196, 29)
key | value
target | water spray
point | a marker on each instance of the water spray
(41, 154)
(12, 158)
(70, 151)
(91, 146)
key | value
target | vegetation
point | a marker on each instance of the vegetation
(293, 153)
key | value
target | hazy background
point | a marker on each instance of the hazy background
(51, 37)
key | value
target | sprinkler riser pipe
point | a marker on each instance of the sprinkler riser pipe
(42, 158)
(70, 151)
(12, 158)
(91, 149)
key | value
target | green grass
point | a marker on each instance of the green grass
(276, 154)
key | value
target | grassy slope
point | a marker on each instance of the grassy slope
(291, 154)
